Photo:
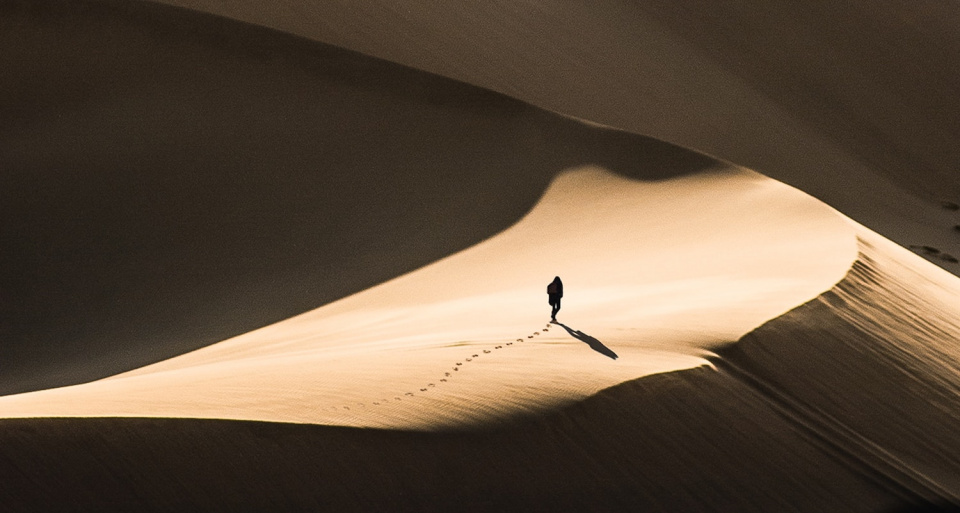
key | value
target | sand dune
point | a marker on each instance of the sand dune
(657, 273)
(727, 343)
(806, 413)
(850, 102)
(172, 180)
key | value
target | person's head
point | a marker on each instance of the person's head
(556, 279)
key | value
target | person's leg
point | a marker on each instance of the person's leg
(556, 308)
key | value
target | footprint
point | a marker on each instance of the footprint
(536, 332)
(486, 351)
(423, 389)
(443, 380)
(431, 385)
(376, 403)
(476, 355)
(928, 250)
(456, 368)
(346, 407)
(499, 347)
(446, 374)
(459, 363)
(932, 252)
(409, 394)
(531, 336)
(509, 343)
(949, 205)
(469, 359)
(397, 398)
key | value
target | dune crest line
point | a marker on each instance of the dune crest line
(633, 252)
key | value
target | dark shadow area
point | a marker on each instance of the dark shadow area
(594, 344)
(903, 123)
(943, 506)
(171, 179)
(691, 441)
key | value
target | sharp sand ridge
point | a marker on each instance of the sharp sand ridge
(727, 342)
(872, 368)
(846, 403)
(657, 274)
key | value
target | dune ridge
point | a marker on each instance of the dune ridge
(880, 357)
(728, 343)
(172, 179)
(704, 439)
(658, 274)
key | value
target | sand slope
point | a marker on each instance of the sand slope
(810, 412)
(171, 180)
(878, 355)
(656, 274)
(850, 102)
(161, 162)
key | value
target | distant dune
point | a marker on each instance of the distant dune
(851, 102)
(249, 271)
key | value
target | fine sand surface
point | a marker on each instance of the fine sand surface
(846, 403)
(657, 274)
(173, 179)
(852, 102)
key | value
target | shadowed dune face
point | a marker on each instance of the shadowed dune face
(879, 355)
(171, 179)
(877, 78)
(851, 102)
(630, 448)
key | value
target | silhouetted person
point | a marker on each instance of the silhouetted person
(554, 293)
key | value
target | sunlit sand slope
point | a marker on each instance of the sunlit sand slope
(846, 403)
(170, 179)
(656, 275)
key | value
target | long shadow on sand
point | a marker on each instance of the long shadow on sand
(594, 344)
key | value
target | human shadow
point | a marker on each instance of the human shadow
(594, 344)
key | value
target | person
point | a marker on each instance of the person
(554, 293)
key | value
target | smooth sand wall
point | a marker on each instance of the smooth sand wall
(851, 102)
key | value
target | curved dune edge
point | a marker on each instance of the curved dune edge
(657, 274)
(217, 177)
(845, 403)
(873, 366)
(876, 143)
